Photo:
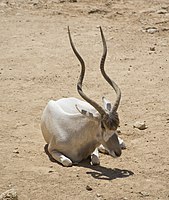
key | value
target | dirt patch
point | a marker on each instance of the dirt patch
(37, 64)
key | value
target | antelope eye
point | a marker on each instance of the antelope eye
(102, 126)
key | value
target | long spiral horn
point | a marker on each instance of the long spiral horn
(111, 82)
(81, 77)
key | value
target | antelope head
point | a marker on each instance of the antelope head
(107, 116)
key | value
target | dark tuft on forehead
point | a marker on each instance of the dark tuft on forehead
(111, 120)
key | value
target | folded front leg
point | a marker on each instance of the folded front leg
(61, 158)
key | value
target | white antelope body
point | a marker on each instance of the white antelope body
(74, 129)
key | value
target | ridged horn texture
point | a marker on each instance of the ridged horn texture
(81, 77)
(111, 82)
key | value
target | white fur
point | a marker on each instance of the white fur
(72, 136)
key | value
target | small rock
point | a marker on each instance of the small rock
(88, 188)
(162, 11)
(16, 150)
(140, 125)
(144, 194)
(63, 1)
(98, 11)
(152, 48)
(24, 124)
(151, 30)
(98, 195)
(9, 195)
(50, 171)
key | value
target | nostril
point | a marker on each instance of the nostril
(118, 154)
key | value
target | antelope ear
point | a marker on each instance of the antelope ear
(95, 116)
(106, 104)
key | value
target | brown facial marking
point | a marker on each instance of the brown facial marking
(111, 120)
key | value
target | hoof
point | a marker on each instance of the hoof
(67, 163)
(123, 145)
(95, 160)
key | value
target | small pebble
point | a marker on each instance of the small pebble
(144, 194)
(151, 30)
(162, 11)
(152, 48)
(9, 195)
(140, 125)
(98, 195)
(16, 151)
(88, 188)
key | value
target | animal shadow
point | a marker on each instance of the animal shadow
(104, 173)
(50, 156)
(98, 171)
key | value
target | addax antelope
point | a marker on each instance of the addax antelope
(74, 129)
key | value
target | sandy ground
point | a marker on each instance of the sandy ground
(37, 64)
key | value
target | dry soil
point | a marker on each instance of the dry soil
(37, 64)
